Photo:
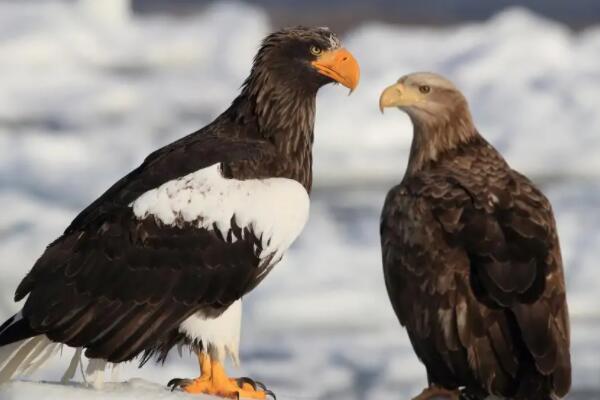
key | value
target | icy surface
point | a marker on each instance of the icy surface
(87, 90)
(133, 389)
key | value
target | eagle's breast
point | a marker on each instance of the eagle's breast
(274, 209)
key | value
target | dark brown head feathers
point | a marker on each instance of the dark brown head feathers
(277, 102)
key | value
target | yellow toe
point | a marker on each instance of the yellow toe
(214, 381)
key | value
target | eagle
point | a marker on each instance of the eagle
(164, 256)
(471, 257)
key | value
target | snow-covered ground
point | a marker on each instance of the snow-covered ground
(134, 389)
(87, 90)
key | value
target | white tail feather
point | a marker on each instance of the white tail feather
(39, 360)
(27, 356)
(30, 357)
(6, 353)
(17, 355)
(27, 366)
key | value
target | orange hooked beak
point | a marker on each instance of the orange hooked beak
(339, 65)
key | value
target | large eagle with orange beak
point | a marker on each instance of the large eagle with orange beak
(165, 255)
(471, 258)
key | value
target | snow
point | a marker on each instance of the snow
(88, 90)
(133, 389)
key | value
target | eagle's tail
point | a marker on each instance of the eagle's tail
(22, 352)
(15, 329)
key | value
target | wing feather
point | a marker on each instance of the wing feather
(117, 284)
(487, 255)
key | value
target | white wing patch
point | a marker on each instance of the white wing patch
(276, 209)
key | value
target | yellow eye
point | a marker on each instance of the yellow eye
(315, 50)
(424, 89)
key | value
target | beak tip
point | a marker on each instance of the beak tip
(341, 66)
(381, 105)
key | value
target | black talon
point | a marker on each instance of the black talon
(255, 385)
(240, 382)
(176, 383)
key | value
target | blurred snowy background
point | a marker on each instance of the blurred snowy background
(89, 87)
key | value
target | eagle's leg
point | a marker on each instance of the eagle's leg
(438, 393)
(203, 379)
(214, 381)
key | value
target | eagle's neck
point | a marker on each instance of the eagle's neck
(434, 138)
(284, 116)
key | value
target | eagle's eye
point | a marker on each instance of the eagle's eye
(314, 50)
(424, 89)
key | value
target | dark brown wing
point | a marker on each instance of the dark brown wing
(115, 284)
(427, 281)
(478, 269)
(191, 153)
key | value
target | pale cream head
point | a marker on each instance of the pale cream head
(424, 95)
(439, 113)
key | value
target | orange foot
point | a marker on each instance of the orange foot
(214, 381)
(438, 393)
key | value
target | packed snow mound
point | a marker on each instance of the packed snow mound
(130, 390)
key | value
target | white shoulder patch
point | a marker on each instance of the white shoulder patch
(276, 209)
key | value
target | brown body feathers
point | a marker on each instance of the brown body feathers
(472, 260)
